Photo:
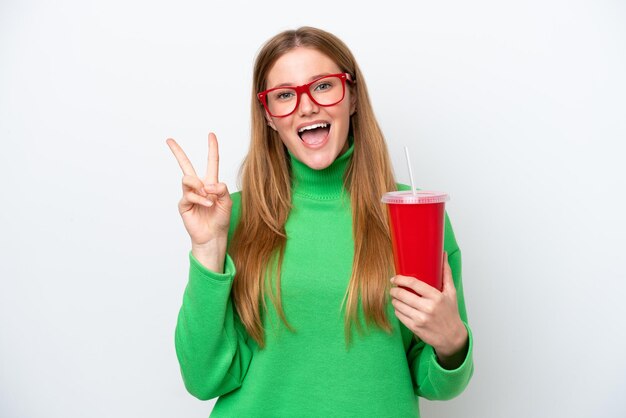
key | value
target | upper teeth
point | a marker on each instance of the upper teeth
(315, 126)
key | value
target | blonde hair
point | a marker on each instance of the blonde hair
(258, 243)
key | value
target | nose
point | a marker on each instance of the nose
(306, 105)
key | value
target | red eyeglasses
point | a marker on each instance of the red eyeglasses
(324, 91)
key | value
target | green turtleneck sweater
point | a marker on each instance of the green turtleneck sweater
(309, 373)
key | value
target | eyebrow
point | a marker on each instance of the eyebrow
(293, 85)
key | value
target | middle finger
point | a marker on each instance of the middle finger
(407, 297)
(213, 162)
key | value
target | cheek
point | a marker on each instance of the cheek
(282, 125)
(285, 130)
(342, 114)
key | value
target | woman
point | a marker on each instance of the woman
(289, 310)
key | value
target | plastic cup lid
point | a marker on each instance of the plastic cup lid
(420, 197)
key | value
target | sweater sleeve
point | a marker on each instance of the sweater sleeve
(211, 343)
(430, 379)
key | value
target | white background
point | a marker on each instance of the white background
(517, 109)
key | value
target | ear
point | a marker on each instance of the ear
(269, 121)
(352, 103)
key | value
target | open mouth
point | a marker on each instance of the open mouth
(314, 134)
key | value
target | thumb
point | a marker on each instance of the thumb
(448, 281)
(220, 190)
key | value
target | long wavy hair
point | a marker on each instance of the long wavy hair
(259, 241)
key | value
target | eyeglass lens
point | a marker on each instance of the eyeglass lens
(326, 91)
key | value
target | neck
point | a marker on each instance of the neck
(325, 184)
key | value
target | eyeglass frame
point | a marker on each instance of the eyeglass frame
(262, 96)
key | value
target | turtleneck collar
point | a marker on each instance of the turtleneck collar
(325, 184)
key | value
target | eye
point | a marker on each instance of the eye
(283, 95)
(324, 85)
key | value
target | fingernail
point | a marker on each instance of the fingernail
(209, 202)
(392, 280)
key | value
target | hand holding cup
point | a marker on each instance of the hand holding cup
(432, 315)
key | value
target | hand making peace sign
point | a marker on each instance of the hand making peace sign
(206, 205)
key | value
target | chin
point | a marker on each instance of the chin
(320, 165)
(321, 159)
(315, 162)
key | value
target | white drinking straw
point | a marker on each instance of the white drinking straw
(408, 163)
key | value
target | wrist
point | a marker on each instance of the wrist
(457, 344)
(211, 244)
(211, 254)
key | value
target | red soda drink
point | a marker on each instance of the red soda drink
(417, 230)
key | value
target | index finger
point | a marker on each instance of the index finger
(213, 163)
(181, 157)
(418, 286)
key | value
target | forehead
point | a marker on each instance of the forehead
(299, 65)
